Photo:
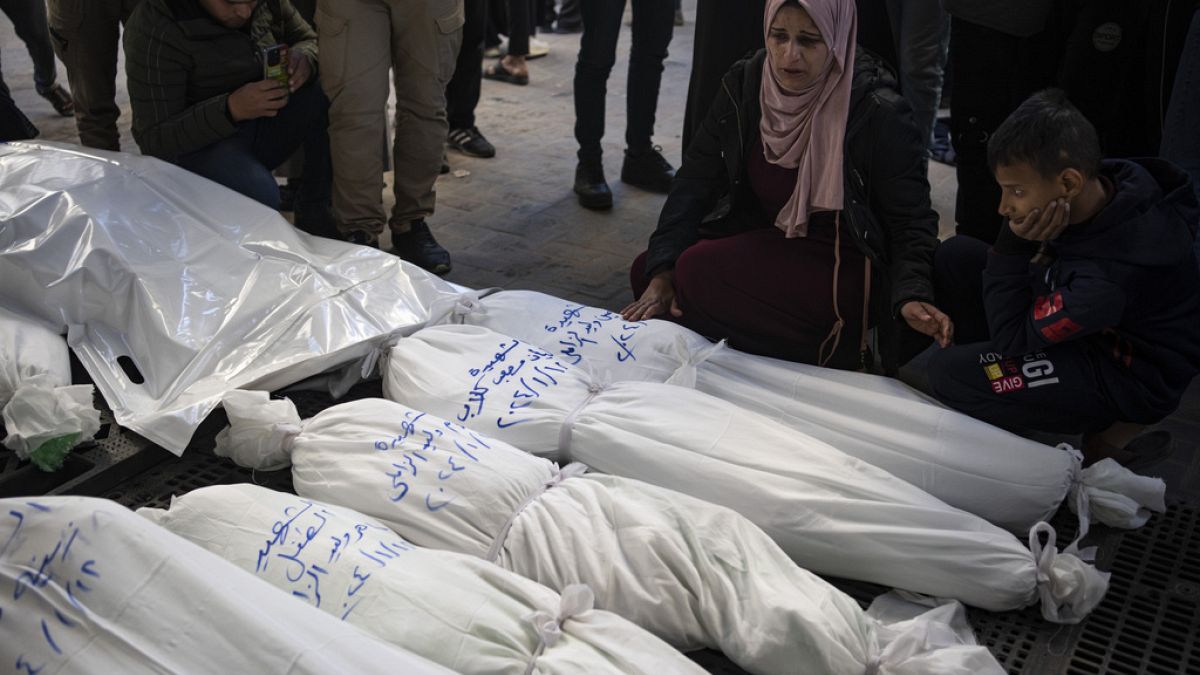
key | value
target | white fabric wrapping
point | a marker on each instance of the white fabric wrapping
(28, 349)
(831, 513)
(695, 574)
(202, 290)
(1008, 480)
(463, 613)
(86, 586)
(38, 402)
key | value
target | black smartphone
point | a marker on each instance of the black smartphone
(275, 64)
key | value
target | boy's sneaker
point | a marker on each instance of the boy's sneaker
(418, 247)
(648, 170)
(470, 142)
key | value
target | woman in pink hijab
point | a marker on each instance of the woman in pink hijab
(800, 216)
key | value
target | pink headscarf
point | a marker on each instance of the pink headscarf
(806, 129)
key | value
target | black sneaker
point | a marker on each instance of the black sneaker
(361, 238)
(418, 247)
(317, 220)
(470, 142)
(648, 170)
(591, 187)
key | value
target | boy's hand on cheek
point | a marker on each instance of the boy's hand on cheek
(1044, 224)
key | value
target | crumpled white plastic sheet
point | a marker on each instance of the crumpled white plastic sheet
(204, 290)
(461, 612)
(44, 414)
(90, 587)
(832, 513)
(1008, 480)
(693, 573)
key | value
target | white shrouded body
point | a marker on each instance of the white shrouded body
(90, 587)
(461, 612)
(695, 574)
(1005, 479)
(833, 514)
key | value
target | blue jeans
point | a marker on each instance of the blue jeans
(653, 26)
(243, 162)
(1180, 141)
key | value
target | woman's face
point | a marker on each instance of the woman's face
(798, 52)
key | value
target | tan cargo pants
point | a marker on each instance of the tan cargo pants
(359, 41)
(86, 36)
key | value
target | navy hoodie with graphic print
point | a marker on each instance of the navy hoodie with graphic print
(1125, 281)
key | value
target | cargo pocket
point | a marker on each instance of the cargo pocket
(451, 17)
(332, 44)
(66, 15)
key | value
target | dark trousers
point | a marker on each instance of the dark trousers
(1059, 389)
(86, 36)
(14, 125)
(244, 161)
(462, 94)
(725, 32)
(29, 22)
(993, 73)
(653, 25)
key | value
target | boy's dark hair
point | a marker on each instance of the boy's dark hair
(1049, 134)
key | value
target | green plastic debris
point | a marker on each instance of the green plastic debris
(49, 456)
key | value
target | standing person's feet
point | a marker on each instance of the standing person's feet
(648, 170)
(61, 100)
(470, 142)
(417, 246)
(590, 186)
(679, 20)
(511, 69)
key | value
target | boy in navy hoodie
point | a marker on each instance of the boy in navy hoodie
(1084, 315)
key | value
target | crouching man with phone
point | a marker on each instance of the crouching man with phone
(228, 89)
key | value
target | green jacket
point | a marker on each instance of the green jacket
(182, 66)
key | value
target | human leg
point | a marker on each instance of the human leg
(958, 265)
(653, 26)
(30, 24)
(232, 162)
(355, 57)
(921, 32)
(425, 43)
(644, 166)
(1058, 390)
(597, 54)
(86, 36)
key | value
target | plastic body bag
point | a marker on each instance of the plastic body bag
(693, 573)
(833, 514)
(192, 287)
(90, 587)
(1005, 479)
(44, 414)
(458, 611)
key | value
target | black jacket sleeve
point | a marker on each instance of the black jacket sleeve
(900, 200)
(699, 183)
(1025, 314)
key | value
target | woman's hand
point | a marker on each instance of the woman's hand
(658, 299)
(929, 320)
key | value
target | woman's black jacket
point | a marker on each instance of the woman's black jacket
(886, 190)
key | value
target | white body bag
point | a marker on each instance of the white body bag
(693, 573)
(463, 613)
(1008, 480)
(833, 514)
(87, 586)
